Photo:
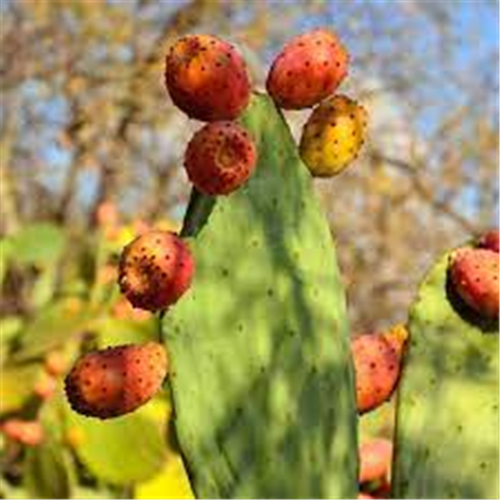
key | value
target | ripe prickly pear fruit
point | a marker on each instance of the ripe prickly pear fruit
(333, 136)
(117, 380)
(155, 270)
(474, 275)
(29, 433)
(307, 70)
(377, 363)
(375, 460)
(220, 158)
(207, 78)
(490, 240)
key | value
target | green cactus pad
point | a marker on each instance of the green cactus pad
(261, 373)
(447, 411)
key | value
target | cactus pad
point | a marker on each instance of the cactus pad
(447, 414)
(261, 373)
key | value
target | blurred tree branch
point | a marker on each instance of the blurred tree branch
(426, 192)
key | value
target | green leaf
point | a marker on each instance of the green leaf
(54, 326)
(47, 471)
(43, 289)
(37, 244)
(120, 451)
(10, 326)
(17, 385)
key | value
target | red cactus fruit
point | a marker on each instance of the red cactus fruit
(377, 363)
(117, 380)
(307, 70)
(155, 270)
(207, 78)
(29, 433)
(474, 275)
(220, 158)
(375, 460)
(490, 240)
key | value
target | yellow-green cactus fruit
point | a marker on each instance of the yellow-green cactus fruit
(333, 136)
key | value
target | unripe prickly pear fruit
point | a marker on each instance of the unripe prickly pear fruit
(474, 275)
(377, 363)
(29, 433)
(333, 136)
(490, 240)
(117, 380)
(155, 270)
(220, 158)
(375, 460)
(307, 70)
(207, 78)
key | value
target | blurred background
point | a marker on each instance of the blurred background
(91, 153)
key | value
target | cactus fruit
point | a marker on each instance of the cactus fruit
(262, 378)
(474, 275)
(117, 380)
(155, 270)
(490, 240)
(447, 428)
(207, 78)
(333, 136)
(220, 158)
(377, 361)
(375, 460)
(307, 70)
(29, 433)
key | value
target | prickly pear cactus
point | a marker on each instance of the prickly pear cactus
(447, 414)
(261, 374)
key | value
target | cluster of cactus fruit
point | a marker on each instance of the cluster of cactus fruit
(270, 432)
(207, 79)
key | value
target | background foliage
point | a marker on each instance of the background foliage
(91, 153)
